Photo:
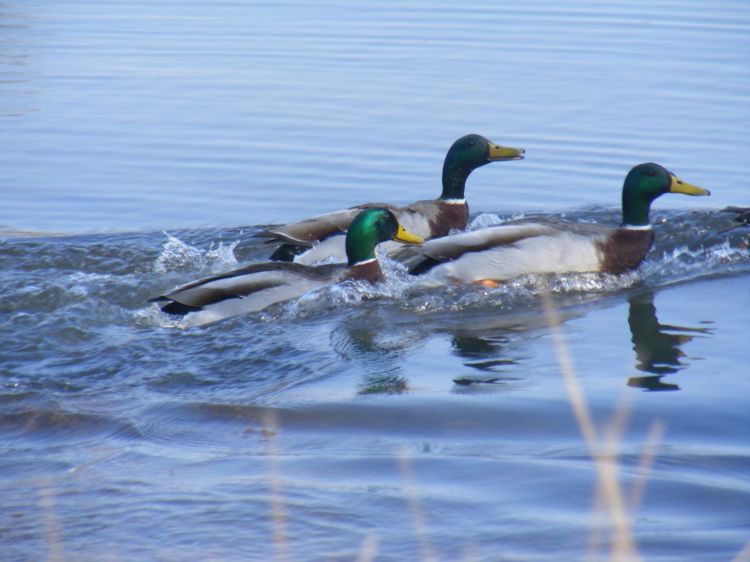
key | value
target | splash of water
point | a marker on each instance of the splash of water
(180, 256)
(484, 220)
(684, 263)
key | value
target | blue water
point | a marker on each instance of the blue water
(145, 144)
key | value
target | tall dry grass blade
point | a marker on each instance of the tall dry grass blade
(608, 448)
(278, 512)
(598, 525)
(744, 554)
(369, 548)
(570, 378)
(615, 430)
(623, 543)
(51, 526)
(653, 439)
(415, 509)
(470, 553)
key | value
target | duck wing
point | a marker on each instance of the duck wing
(314, 229)
(245, 282)
(315, 239)
(453, 247)
(431, 217)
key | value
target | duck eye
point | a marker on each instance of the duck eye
(651, 173)
(472, 143)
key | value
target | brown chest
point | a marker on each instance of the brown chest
(369, 271)
(624, 249)
(449, 217)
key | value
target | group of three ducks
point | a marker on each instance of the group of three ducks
(486, 256)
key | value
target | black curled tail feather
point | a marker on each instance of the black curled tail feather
(179, 309)
(424, 266)
(287, 252)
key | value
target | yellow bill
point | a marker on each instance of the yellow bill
(404, 235)
(679, 186)
(498, 152)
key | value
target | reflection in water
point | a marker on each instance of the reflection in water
(379, 350)
(482, 350)
(657, 347)
(380, 346)
(484, 353)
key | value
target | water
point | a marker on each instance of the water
(397, 423)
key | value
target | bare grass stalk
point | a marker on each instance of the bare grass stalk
(278, 511)
(427, 554)
(369, 548)
(653, 439)
(623, 546)
(744, 554)
(51, 526)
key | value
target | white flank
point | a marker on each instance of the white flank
(559, 253)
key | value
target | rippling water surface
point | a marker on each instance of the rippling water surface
(145, 144)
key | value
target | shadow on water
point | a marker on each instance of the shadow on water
(657, 346)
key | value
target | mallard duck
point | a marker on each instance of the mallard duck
(258, 286)
(321, 237)
(546, 245)
(741, 218)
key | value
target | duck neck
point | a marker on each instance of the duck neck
(635, 210)
(454, 180)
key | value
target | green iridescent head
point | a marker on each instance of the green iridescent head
(467, 154)
(643, 184)
(371, 227)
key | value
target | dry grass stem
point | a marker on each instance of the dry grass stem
(653, 439)
(415, 509)
(605, 462)
(609, 493)
(744, 554)
(51, 527)
(369, 548)
(278, 512)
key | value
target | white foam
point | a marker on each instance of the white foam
(179, 256)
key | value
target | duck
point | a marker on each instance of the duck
(740, 219)
(321, 238)
(257, 286)
(548, 245)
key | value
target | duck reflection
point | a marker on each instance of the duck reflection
(379, 344)
(657, 346)
(484, 353)
(367, 341)
(492, 345)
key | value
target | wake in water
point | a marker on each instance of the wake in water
(104, 280)
(688, 246)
